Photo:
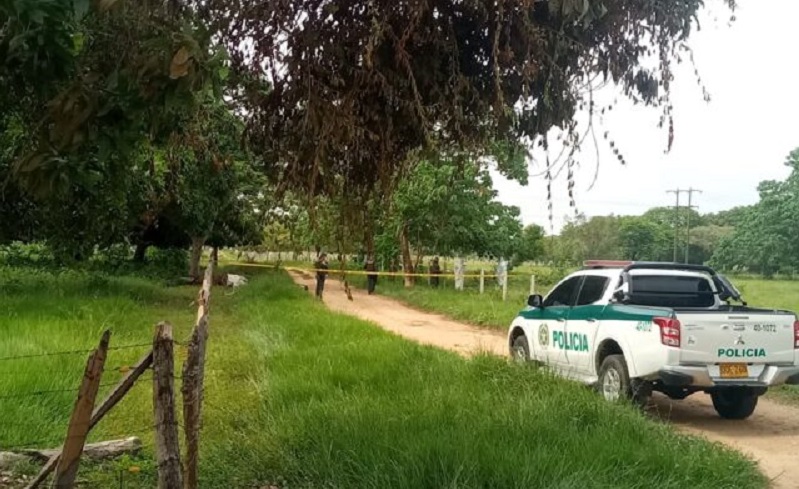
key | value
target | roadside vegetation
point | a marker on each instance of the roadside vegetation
(302, 397)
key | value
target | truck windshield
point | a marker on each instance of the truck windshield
(671, 291)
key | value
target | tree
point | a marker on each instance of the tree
(360, 87)
(728, 218)
(766, 239)
(670, 217)
(211, 180)
(451, 208)
(706, 239)
(101, 90)
(643, 239)
(583, 239)
(531, 245)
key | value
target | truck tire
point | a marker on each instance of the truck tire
(734, 402)
(520, 350)
(615, 385)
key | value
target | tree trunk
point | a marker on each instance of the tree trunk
(197, 243)
(140, 253)
(419, 256)
(407, 261)
(369, 240)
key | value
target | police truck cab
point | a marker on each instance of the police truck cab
(631, 328)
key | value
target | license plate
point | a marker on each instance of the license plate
(733, 370)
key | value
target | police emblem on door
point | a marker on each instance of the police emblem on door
(543, 335)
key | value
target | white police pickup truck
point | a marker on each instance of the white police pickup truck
(630, 328)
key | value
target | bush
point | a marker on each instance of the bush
(24, 254)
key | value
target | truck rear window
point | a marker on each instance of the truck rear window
(671, 291)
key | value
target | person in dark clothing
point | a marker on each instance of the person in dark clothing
(371, 278)
(435, 270)
(321, 274)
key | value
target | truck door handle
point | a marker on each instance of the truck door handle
(560, 320)
(591, 320)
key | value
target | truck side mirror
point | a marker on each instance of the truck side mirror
(535, 300)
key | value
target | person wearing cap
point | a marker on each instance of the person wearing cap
(371, 278)
(321, 274)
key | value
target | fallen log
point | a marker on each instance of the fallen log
(95, 451)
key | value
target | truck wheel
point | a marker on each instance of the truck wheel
(734, 402)
(615, 384)
(520, 350)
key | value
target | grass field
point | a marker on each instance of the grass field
(487, 309)
(306, 398)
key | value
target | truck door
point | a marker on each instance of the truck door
(548, 325)
(583, 324)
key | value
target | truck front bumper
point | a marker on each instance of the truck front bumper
(708, 376)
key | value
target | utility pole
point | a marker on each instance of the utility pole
(690, 192)
(677, 193)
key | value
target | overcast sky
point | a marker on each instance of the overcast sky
(724, 147)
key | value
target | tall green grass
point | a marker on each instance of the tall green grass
(301, 397)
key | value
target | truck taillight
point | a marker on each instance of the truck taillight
(796, 334)
(670, 331)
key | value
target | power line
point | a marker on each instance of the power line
(677, 193)
(690, 191)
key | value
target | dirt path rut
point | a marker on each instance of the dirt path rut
(770, 436)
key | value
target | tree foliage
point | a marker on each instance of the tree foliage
(131, 141)
(447, 208)
(358, 86)
(378, 118)
(766, 239)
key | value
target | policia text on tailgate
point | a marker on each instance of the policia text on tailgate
(633, 327)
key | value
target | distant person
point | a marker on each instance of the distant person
(321, 274)
(371, 278)
(435, 271)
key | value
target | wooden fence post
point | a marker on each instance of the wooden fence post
(459, 272)
(482, 280)
(532, 284)
(167, 445)
(109, 402)
(192, 388)
(505, 286)
(67, 467)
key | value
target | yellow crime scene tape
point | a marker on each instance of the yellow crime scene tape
(379, 274)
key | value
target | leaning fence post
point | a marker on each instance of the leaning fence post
(67, 468)
(167, 445)
(111, 400)
(192, 388)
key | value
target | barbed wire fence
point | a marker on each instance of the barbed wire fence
(61, 464)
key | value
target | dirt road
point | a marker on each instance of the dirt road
(770, 436)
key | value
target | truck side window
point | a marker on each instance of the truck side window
(564, 294)
(592, 290)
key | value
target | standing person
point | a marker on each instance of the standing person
(435, 271)
(371, 278)
(321, 274)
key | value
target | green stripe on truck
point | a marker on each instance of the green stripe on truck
(611, 312)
